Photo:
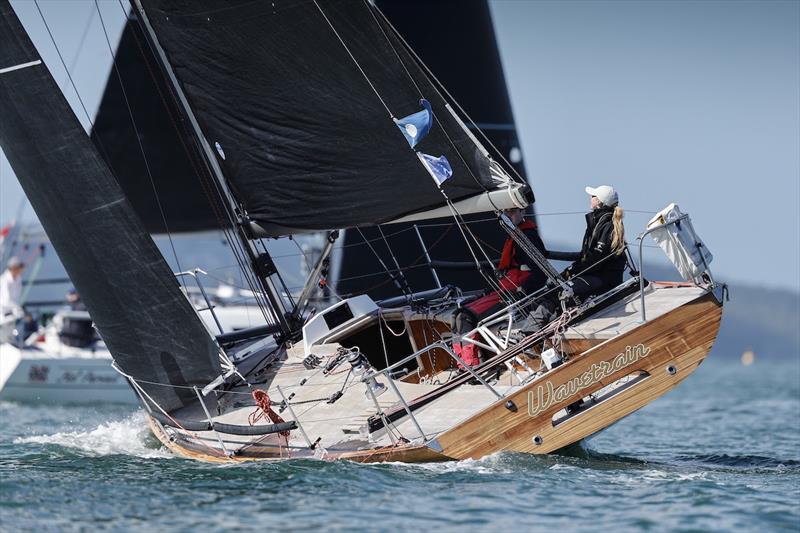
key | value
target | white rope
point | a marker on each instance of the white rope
(383, 318)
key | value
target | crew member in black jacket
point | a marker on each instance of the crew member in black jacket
(600, 264)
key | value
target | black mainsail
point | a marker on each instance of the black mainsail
(179, 180)
(148, 325)
(480, 88)
(298, 97)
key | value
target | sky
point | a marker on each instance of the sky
(696, 103)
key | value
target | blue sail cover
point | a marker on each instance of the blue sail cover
(301, 99)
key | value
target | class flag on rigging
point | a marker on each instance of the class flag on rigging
(438, 167)
(417, 125)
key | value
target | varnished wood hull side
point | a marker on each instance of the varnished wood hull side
(681, 339)
(257, 452)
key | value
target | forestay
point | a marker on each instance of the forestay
(299, 99)
(148, 325)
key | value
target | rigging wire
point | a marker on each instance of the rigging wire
(198, 163)
(446, 92)
(139, 140)
(493, 282)
(347, 49)
(385, 268)
(419, 90)
(82, 41)
(396, 263)
(69, 76)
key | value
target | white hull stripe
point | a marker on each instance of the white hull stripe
(22, 65)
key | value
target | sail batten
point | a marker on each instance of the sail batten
(145, 320)
(300, 98)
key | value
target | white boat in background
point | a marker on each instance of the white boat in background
(66, 362)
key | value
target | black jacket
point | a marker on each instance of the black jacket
(596, 257)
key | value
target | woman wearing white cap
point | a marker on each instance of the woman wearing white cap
(600, 264)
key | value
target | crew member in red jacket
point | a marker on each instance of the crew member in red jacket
(520, 276)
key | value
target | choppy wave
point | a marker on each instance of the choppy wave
(745, 462)
(129, 436)
(660, 469)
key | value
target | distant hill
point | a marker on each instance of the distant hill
(766, 321)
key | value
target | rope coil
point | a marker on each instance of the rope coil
(264, 410)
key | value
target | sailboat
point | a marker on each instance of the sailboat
(297, 116)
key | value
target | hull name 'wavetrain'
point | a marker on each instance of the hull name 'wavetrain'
(545, 395)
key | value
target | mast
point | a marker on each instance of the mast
(261, 263)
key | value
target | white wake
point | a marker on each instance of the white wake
(129, 436)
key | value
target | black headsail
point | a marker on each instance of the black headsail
(149, 326)
(299, 98)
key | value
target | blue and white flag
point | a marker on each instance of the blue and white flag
(438, 167)
(416, 126)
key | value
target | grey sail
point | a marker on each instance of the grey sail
(148, 325)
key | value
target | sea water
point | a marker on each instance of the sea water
(721, 452)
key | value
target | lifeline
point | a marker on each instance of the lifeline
(595, 373)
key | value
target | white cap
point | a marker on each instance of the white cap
(605, 193)
(15, 262)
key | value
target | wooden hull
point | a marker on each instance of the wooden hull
(660, 353)
(680, 339)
